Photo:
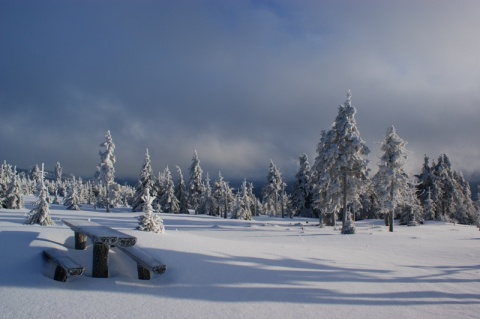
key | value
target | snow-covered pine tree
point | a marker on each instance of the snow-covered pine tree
(428, 207)
(255, 204)
(72, 200)
(207, 202)
(195, 183)
(146, 180)
(391, 181)
(444, 188)
(242, 204)
(302, 195)
(465, 209)
(181, 193)
(411, 212)
(13, 196)
(106, 170)
(35, 176)
(271, 191)
(223, 196)
(58, 180)
(218, 194)
(340, 167)
(168, 202)
(40, 212)
(150, 221)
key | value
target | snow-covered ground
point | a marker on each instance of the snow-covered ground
(265, 268)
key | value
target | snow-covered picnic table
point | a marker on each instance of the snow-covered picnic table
(103, 238)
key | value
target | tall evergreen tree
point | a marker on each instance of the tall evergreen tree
(40, 212)
(391, 181)
(181, 193)
(242, 204)
(146, 180)
(13, 195)
(72, 200)
(341, 166)
(302, 195)
(207, 202)
(106, 170)
(195, 183)
(271, 191)
(168, 202)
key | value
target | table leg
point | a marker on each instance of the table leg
(100, 260)
(80, 241)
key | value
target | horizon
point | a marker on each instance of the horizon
(241, 82)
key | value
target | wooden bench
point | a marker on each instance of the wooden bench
(66, 266)
(103, 238)
(145, 262)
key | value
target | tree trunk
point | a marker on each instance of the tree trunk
(344, 220)
(390, 229)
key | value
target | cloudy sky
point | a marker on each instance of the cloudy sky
(241, 82)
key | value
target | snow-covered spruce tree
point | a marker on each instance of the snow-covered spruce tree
(72, 200)
(13, 196)
(391, 181)
(40, 212)
(411, 212)
(242, 204)
(223, 196)
(150, 221)
(443, 188)
(58, 180)
(207, 204)
(465, 212)
(146, 179)
(428, 207)
(340, 169)
(168, 202)
(106, 170)
(218, 194)
(255, 204)
(271, 191)
(35, 176)
(195, 183)
(181, 193)
(302, 195)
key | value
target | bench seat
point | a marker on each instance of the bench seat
(145, 262)
(66, 266)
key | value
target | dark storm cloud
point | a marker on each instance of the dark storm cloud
(241, 82)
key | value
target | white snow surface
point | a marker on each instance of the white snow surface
(264, 268)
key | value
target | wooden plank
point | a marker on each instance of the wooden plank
(100, 234)
(144, 259)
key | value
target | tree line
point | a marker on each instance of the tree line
(336, 189)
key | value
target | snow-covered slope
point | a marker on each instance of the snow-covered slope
(265, 268)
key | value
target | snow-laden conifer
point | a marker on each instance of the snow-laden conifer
(150, 221)
(271, 191)
(13, 196)
(40, 212)
(340, 168)
(195, 183)
(168, 202)
(223, 196)
(391, 181)
(242, 204)
(181, 193)
(206, 205)
(146, 180)
(72, 201)
(302, 189)
(106, 170)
